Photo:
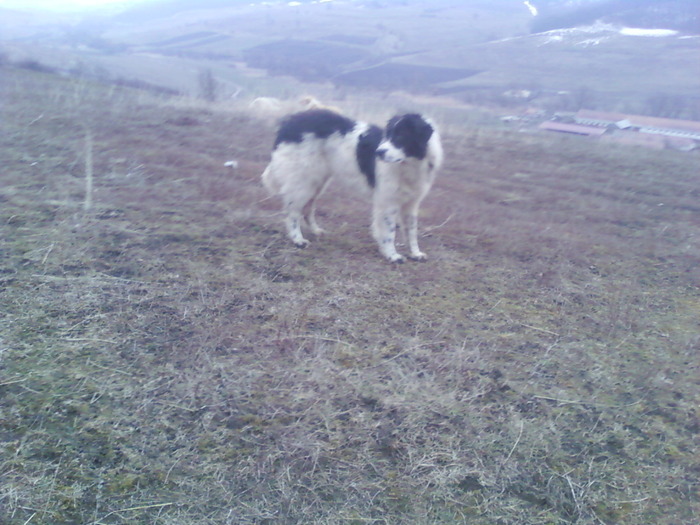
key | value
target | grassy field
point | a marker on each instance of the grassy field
(168, 357)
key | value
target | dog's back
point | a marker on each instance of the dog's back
(321, 143)
(317, 123)
(310, 148)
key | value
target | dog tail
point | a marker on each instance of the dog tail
(269, 181)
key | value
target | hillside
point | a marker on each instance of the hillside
(473, 52)
(681, 15)
(166, 356)
(603, 60)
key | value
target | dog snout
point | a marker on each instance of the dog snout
(389, 155)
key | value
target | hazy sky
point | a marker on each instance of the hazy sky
(58, 5)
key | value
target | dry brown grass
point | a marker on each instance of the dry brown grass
(169, 358)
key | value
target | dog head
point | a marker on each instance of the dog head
(405, 136)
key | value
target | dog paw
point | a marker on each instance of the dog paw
(397, 259)
(420, 256)
(301, 244)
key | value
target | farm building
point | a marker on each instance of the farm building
(650, 132)
(687, 129)
(574, 129)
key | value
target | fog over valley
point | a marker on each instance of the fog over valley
(472, 51)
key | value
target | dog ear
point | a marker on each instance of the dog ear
(425, 130)
(391, 124)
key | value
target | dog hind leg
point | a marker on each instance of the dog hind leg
(310, 211)
(293, 220)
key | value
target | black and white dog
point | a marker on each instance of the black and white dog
(399, 164)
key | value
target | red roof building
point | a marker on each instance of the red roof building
(574, 129)
(669, 127)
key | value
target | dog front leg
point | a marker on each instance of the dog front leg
(384, 223)
(410, 219)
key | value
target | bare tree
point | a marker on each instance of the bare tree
(208, 86)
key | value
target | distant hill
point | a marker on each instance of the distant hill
(480, 52)
(681, 15)
(155, 9)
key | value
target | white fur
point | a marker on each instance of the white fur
(267, 105)
(311, 102)
(300, 172)
(272, 108)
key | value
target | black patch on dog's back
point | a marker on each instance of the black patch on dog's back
(367, 153)
(322, 123)
(410, 133)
